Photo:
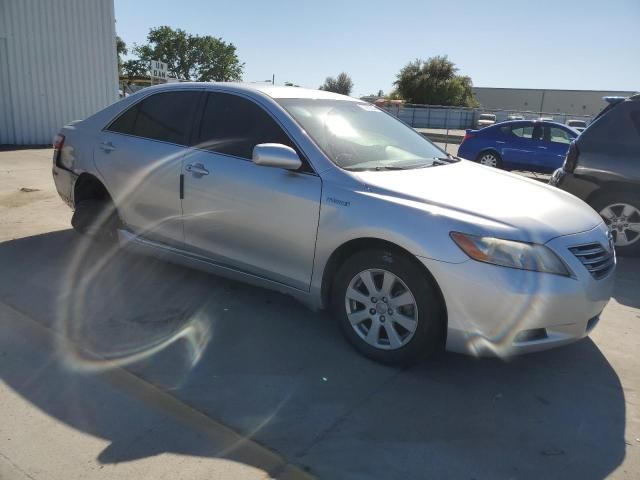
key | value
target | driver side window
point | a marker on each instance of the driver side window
(558, 135)
(233, 125)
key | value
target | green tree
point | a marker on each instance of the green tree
(341, 84)
(133, 69)
(192, 57)
(121, 49)
(435, 82)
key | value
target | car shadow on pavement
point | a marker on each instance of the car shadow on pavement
(275, 372)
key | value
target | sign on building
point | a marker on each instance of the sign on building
(159, 71)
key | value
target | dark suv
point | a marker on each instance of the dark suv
(602, 167)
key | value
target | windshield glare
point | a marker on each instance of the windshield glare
(359, 136)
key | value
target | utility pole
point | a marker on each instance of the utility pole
(273, 80)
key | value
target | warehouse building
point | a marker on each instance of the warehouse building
(57, 64)
(572, 102)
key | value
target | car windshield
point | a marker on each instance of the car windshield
(359, 136)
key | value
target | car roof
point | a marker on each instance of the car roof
(269, 90)
(527, 122)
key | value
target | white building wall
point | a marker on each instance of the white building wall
(574, 102)
(57, 64)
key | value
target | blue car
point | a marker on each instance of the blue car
(536, 146)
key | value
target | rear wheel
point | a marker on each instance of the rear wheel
(621, 213)
(387, 307)
(490, 159)
(97, 219)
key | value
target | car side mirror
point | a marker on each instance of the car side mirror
(276, 155)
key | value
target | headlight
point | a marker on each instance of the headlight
(508, 253)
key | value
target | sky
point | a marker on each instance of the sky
(562, 44)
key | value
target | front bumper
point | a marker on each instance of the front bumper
(498, 311)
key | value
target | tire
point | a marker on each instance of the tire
(425, 317)
(97, 219)
(621, 212)
(490, 159)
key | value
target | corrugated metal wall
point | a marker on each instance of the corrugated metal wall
(57, 64)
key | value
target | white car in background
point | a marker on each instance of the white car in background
(486, 120)
(578, 125)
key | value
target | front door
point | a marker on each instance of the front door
(553, 148)
(260, 220)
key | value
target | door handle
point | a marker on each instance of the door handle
(542, 148)
(107, 147)
(197, 169)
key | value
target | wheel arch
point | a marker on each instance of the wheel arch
(608, 188)
(344, 251)
(88, 186)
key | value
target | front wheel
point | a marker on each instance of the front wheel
(387, 307)
(621, 213)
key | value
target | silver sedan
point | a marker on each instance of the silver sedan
(331, 200)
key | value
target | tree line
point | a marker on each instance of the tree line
(205, 58)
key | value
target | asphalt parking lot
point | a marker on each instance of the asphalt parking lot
(115, 365)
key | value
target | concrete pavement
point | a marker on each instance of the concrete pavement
(267, 371)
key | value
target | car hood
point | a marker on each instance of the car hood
(485, 200)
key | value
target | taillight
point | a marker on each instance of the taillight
(467, 136)
(571, 160)
(58, 143)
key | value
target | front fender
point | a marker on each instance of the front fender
(350, 215)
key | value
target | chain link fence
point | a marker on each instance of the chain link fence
(461, 118)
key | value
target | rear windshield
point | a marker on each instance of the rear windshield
(615, 130)
(486, 117)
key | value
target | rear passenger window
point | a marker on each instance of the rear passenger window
(523, 132)
(125, 122)
(163, 116)
(167, 117)
(234, 125)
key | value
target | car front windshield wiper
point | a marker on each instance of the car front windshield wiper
(379, 168)
(408, 166)
(434, 163)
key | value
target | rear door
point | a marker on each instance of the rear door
(520, 145)
(256, 219)
(139, 156)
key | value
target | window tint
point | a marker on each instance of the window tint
(234, 125)
(167, 116)
(615, 132)
(558, 135)
(125, 122)
(522, 132)
(635, 120)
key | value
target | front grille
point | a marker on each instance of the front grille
(595, 258)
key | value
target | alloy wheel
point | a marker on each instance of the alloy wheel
(489, 159)
(623, 221)
(381, 309)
